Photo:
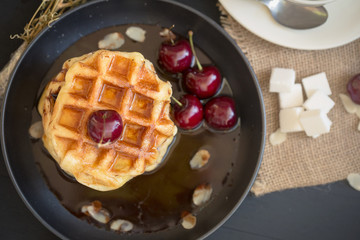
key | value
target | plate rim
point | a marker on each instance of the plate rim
(285, 43)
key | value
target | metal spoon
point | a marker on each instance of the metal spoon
(294, 15)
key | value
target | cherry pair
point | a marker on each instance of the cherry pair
(219, 112)
(176, 57)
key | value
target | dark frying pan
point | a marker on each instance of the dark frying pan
(28, 78)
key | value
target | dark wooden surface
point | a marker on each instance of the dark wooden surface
(323, 212)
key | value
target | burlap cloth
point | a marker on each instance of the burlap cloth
(302, 161)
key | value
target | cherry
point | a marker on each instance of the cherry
(204, 82)
(353, 88)
(188, 112)
(105, 126)
(176, 56)
(220, 113)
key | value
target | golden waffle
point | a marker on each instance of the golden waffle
(124, 82)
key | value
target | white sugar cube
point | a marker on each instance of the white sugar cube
(319, 100)
(316, 82)
(315, 122)
(282, 80)
(289, 120)
(294, 98)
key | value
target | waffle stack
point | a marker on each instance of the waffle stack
(106, 80)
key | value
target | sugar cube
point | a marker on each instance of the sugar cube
(282, 80)
(316, 82)
(289, 119)
(315, 122)
(294, 98)
(319, 100)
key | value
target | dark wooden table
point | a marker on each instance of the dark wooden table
(323, 212)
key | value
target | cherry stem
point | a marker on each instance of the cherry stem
(193, 50)
(99, 145)
(177, 101)
(103, 132)
(169, 35)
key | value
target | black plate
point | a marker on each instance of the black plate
(21, 97)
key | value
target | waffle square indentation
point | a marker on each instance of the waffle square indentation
(147, 79)
(82, 86)
(71, 118)
(133, 134)
(111, 95)
(142, 105)
(122, 163)
(120, 67)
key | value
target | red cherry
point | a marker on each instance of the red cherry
(105, 126)
(189, 114)
(353, 88)
(220, 113)
(175, 57)
(203, 83)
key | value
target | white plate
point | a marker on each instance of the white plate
(342, 26)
